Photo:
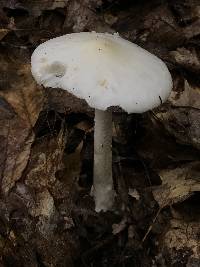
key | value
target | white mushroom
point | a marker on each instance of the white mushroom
(105, 70)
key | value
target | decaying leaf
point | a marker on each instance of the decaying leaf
(192, 30)
(3, 33)
(177, 184)
(34, 6)
(15, 153)
(110, 19)
(186, 58)
(45, 160)
(182, 241)
(68, 222)
(72, 163)
(44, 205)
(134, 193)
(183, 120)
(189, 97)
(117, 228)
(82, 16)
(84, 126)
(184, 125)
(161, 23)
(64, 102)
(21, 104)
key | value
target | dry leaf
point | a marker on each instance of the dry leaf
(23, 95)
(44, 205)
(45, 160)
(85, 126)
(186, 58)
(134, 193)
(64, 102)
(72, 163)
(183, 120)
(15, 153)
(110, 19)
(182, 236)
(82, 16)
(189, 97)
(36, 7)
(117, 228)
(3, 33)
(177, 184)
(183, 124)
(68, 221)
(21, 104)
(192, 30)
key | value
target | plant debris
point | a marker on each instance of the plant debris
(47, 215)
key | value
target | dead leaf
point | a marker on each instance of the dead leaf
(119, 227)
(183, 124)
(3, 33)
(68, 221)
(85, 126)
(72, 163)
(134, 193)
(163, 150)
(22, 102)
(17, 142)
(192, 30)
(110, 19)
(64, 102)
(182, 236)
(44, 205)
(177, 184)
(36, 7)
(82, 16)
(189, 97)
(182, 117)
(186, 58)
(45, 160)
(24, 96)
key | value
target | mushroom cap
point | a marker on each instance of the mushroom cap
(103, 69)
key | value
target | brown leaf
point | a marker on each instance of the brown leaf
(183, 120)
(182, 236)
(17, 141)
(192, 30)
(81, 16)
(21, 103)
(72, 163)
(44, 205)
(3, 33)
(117, 228)
(110, 19)
(177, 184)
(134, 193)
(36, 7)
(84, 126)
(45, 160)
(25, 98)
(189, 97)
(163, 150)
(64, 102)
(186, 58)
(183, 124)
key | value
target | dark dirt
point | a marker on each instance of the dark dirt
(47, 216)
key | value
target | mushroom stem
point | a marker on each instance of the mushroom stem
(103, 182)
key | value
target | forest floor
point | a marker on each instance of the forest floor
(47, 215)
